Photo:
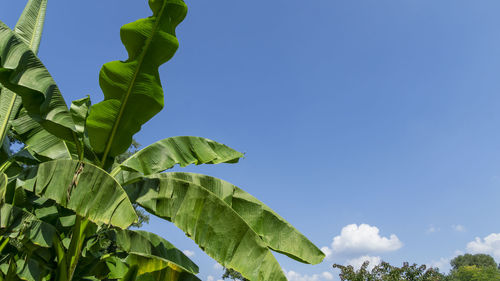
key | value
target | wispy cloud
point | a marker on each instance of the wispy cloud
(189, 253)
(433, 229)
(458, 228)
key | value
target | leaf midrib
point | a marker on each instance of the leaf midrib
(3, 128)
(37, 24)
(132, 83)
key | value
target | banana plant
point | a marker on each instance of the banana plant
(67, 203)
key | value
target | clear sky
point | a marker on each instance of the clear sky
(384, 113)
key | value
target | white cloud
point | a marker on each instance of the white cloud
(362, 239)
(210, 278)
(189, 253)
(327, 275)
(489, 245)
(443, 264)
(358, 262)
(327, 251)
(458, 228)
(295, 276)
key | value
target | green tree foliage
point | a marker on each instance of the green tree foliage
(479, 260)
(71, 193)
(475, 273)
(233, 275)
(387, 272)
(478, 267)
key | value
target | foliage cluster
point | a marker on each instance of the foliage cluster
(386, 272)
(67, 196)
(479, 267)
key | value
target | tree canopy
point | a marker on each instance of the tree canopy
(479, 260)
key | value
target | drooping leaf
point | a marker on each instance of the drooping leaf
(15, 222)
(152, 252)
(40, 141)
(132, 89)
(211, 223)
(92, 193)
(279, 235)
(29, 28)
(165, 154)
(30, 270)
(167, 274)
(24, 74)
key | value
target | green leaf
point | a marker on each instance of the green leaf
(211, 223)
(167, 274)
(165, 154)
(30, 270)
(3, 186)
(79, 111)
(10, 104)
(279, 235)
(23, 73)
(40, 141)
(131, 274)
(132, 89)
(92, 193)
(29, 28)
(15, 222)
(152, 252)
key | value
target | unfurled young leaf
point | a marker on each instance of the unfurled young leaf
(132, 88)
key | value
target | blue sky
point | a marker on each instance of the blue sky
(384, 113)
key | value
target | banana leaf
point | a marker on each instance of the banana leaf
(165, 154)
(211, 223)
(17, 223)
(30, 270)
(132, 89)
(279, 235)
(24, 74)
(84, 188)
(40, 141)
(152, 252)
(3, 186)
(79, 111)
(167, 274)
(29, 28)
